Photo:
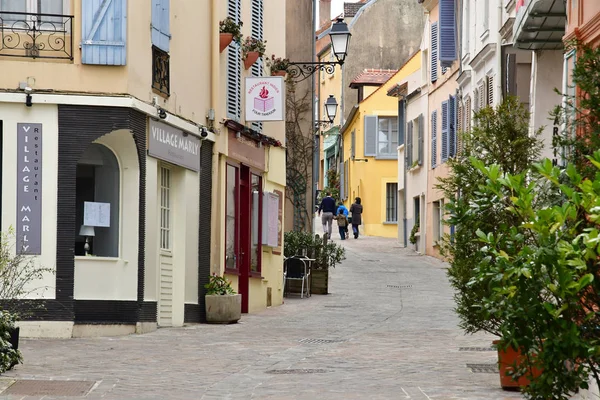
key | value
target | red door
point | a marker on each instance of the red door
(244, 241)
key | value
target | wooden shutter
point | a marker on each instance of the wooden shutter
(104, 32)
(353, 144)
(434, 139)
(421, 138)
(451, 126)
(234, 68)
(257, 33)
(409, 144)
(468, 116)
(161, 35)
(460, 125)
(370, 135)
(482, 96)
(447, 32)
(434, 52)
(490, 90)
(444, 130)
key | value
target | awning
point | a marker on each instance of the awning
(540, 25)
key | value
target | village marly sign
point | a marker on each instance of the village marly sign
(172, 145)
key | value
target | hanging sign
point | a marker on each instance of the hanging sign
(29, 188)
(264, 98)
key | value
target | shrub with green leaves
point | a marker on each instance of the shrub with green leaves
(9, 356)
(218, 285)
(325, 253)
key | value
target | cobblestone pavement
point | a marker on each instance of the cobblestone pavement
(386, 331)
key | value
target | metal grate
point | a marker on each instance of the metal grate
(322, 341)
(49, 388)
(483, 368)
(339, 306)
(476, 349)
(400, 286)
(296, 371)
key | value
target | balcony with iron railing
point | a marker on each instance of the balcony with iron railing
(36, 35)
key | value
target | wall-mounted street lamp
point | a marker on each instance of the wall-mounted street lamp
(360, 159)
(331, 106)
(340, 38)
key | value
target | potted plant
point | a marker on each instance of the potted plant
(252, 49)
(278, 65)
(229, 31)
(223, 305)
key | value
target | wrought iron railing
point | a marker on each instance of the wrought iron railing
(160, 71)
(36, 35)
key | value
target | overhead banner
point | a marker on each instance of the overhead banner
(29, 188)
(265, 98)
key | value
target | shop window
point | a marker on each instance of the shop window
(165, 209)
(256, 224)
(231, 206)
(98, 180)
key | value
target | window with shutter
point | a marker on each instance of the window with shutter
(353, 144)
(476, 99)
(409, 144)
(468, 116)
(490, 90)
(451, 126)
(482, 96)
(401, 121)
(447, 32)
(444, 131)
(421, 138)
(370, 135)
(161, 25)
(104, 32)
(257, 33)
(434, 52)
(434, 139)
(234, 67)
(460, 125)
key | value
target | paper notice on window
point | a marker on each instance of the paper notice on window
(96, 214)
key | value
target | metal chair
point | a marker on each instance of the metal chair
(296, 269)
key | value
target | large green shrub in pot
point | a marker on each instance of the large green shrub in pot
(325, 253)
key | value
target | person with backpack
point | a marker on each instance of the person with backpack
(342, 222)
(342, 208)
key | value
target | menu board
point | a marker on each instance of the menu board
(96, 214)
(270, 219)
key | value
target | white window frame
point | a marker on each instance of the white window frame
(393, 153)
(166, 211)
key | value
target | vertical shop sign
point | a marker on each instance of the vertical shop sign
(29, 188)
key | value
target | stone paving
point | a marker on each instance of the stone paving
(386, 331)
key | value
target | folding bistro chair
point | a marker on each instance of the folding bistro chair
(296, 269)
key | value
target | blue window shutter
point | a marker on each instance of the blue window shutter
(257, 33)
(421, 138)
(434, 52)
(104, 32)
(161, 24)
(434, 139)
(234, 68)
(444, 130)
(370, 135)
(447, 32)
(451, 126)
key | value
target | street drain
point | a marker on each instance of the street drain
(30, 387)
(340, 306)
(483, 368)
(296, 371)
(372, 260)
(476, 349)
(400, 286)
(322, 341)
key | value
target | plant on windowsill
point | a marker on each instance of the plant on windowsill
(252, 50)
(413, 234)
(415, 164)
(229, 31)
(223, 305)
(279, 66)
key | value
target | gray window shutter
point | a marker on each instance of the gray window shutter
(434, 139)
(401, 121)
(447, 32)
(444, 130)
(257, 33)
(370, 135)
(451, 126)
(353, 144)
(342, 182)
(409, 144)
(234, 68)
(434, 52)
(421, 138)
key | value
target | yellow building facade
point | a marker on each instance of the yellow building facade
(370, 156)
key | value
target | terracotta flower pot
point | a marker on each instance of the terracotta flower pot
(224, 40)
(507, 359)
(251, 58)
(278, 73)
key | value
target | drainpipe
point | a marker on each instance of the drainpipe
(214, 106)
(402, 109)
(314, 137)
(499, 60)
(214, 55)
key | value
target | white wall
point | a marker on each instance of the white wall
(47, 115)
(108, 278)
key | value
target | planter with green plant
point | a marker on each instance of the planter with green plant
(413, 234)
(223, 305)
(278, 65)
(252, 50)
(229, 31)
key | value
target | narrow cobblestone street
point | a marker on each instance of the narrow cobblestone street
(386, 331)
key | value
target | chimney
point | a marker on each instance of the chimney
(324, 12)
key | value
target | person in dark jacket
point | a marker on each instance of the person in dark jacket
(356, 210)
(328, 208)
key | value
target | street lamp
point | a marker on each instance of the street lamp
(331, 106)
(340, 38)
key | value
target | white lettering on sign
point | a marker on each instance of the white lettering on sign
(171, 144)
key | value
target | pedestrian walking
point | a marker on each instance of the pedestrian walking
(342, 208)
(328, 208)
(356, 210)
(342, 222)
